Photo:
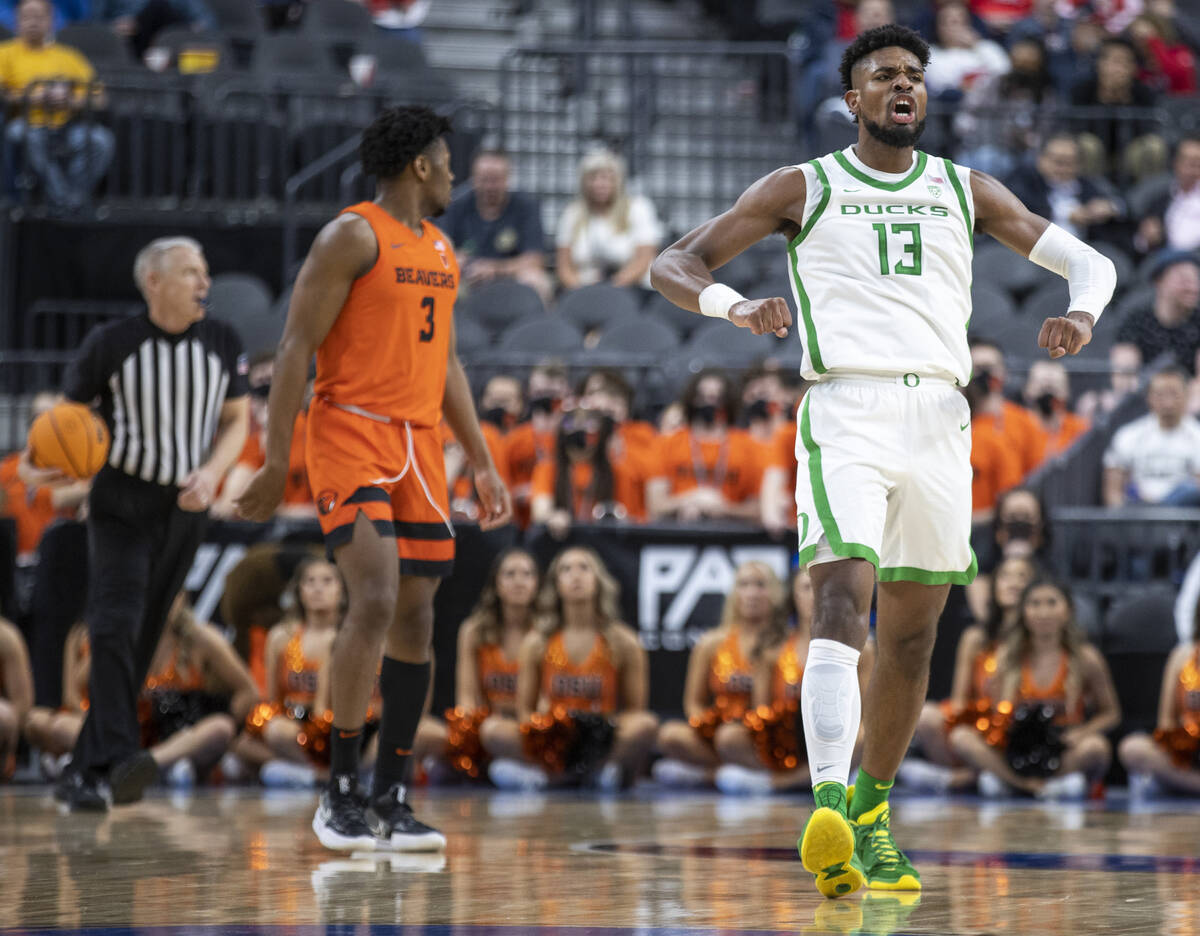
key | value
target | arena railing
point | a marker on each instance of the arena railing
(22, 375)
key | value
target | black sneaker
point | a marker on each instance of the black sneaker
(81, 791)
(339, 821)
(395, 827)
(129, 778)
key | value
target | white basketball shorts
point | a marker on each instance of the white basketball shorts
(885, 475)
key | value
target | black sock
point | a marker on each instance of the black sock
(344, 746)
(403, 687)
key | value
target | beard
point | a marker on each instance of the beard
(901, 136)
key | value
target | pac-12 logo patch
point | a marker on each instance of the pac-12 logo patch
(440, 247)
(326, 501)
(935, 191)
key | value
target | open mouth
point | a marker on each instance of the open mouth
(904, 109)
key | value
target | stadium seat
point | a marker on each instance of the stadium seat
(196, 51)
(239, 293)
(502, 303)
(336, 20)
(638, 334)
(723, 345)
(1048, 300)
(680, 320)
(237, 18)
(288, 55)
(99, 44)
(595, 306)
(990, 304)
(545, 335)
(471, 335)
(743, 272)
(996, 264)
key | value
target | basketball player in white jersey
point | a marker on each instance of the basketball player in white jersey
(879, 254)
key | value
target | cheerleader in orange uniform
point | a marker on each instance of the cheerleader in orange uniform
(485, 692)
(276, 737)
(197, 692)
(51, 731)
(719, 686)
(582, 687)
(1046, 659)
(16, 694)
(765, 754)
(941, 769)
(1171, 758)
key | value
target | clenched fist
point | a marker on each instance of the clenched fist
(762, 316)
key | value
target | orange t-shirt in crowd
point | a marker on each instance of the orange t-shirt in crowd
(1051, 444)
(1020, 429)
(995, 466)
(734, 465)
(32, 511)
(524, 447)
(633, 454)
(295, 489)
(397, 318)
(463, 489)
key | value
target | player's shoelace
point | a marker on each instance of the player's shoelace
(882, 843)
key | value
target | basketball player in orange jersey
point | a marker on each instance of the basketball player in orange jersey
(374, 302)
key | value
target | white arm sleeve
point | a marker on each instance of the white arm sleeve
(1090, 275)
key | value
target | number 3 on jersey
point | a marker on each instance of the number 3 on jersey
(426, 333)
(906, 243)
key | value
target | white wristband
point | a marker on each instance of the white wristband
(716, 300)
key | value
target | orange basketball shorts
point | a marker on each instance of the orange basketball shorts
(392, 472)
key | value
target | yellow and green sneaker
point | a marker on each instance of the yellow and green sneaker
(885, 866)
(827, 849)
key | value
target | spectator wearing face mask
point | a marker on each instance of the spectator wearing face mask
(1018, 532)
(1013, 423)
(1048, 397)
(761, 404)
(1156, 459)
(535, 439)
(712, 470)
(500, 407)
(607, 457)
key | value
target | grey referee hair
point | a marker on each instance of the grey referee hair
(151, 256)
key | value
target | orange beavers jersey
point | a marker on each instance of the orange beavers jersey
(1187, 694)
(730, 677)
(733, 466)
(788, 671)
(498, 677)
(386, 352)
(588, 687)
(1054, 695)
(296, 681)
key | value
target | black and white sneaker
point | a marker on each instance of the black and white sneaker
(395, 827)
(339, 821)
(82, 791)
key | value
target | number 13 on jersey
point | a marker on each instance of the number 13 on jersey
(902, 241)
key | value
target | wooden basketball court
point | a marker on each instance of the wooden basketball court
(643, 864)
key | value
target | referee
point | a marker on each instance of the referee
(171, 387)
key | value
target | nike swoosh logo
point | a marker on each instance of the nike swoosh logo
(396, 246)
(963, 427)
(821, 767)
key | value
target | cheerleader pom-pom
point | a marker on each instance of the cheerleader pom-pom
(464, 750)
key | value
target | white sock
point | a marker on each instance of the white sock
(829, 700)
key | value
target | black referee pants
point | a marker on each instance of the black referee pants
(140, 547)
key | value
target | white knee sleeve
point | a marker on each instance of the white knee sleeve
(832, 709)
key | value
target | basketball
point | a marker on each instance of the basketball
(71, 438)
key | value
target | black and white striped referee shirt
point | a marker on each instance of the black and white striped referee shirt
(160, 394)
